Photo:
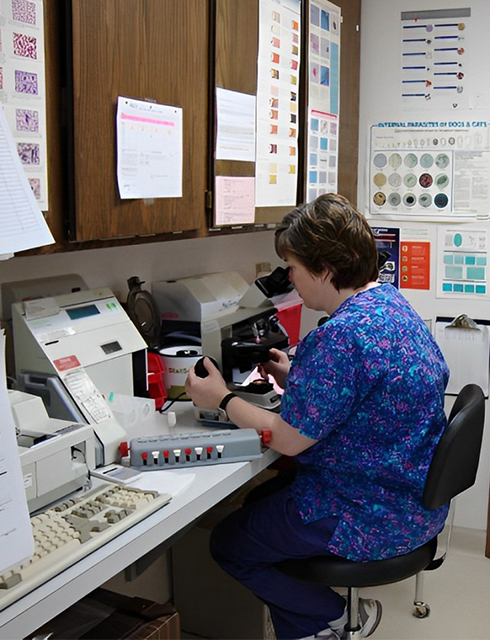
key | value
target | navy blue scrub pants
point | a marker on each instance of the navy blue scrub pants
(246, 545)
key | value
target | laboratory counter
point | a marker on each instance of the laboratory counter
(203, 488)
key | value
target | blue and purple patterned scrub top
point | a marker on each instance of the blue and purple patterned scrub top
(369, 386)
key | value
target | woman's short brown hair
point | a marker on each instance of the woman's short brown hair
(329, 233)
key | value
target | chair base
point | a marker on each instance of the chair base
(421, 609)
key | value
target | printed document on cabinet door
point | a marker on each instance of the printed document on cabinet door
(149, 149)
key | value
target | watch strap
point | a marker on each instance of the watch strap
(226, 399)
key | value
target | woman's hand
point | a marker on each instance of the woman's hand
(207, 392)
(277, 366)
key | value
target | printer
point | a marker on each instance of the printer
(56, 455)
(237, 324)
(74, 350)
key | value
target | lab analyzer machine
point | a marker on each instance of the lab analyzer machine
(74, 350)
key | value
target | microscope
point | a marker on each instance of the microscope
(240, 335)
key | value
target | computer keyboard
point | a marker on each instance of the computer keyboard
(69, 531)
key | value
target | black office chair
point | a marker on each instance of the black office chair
(452, 470)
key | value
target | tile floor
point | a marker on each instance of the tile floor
(458, 594)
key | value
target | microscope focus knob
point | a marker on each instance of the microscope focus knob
(200, 369)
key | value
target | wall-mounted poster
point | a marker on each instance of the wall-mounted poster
(462, 263)
(276, 168)
(430, 170)
(22, 87)
(323, 98)
(388, 245)
(435, 49)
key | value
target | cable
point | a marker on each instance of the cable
(163, 409)
(88, 484)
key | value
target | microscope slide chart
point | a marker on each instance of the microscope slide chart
(429, 173)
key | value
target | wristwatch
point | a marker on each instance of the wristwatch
(223, 416)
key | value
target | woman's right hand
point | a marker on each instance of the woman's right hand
(277, 366)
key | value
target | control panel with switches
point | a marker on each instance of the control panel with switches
(192, 449)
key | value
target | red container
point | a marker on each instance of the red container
(156, 388)
(290, 319)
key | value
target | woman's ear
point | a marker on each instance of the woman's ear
(326, 275)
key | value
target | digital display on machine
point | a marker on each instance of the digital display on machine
(78, 313)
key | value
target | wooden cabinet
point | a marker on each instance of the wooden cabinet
(173, 52)
(143, 49)
(236, 45)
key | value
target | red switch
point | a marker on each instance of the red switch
(266, 436)
(124, 449)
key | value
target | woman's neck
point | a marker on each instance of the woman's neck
(345, 294)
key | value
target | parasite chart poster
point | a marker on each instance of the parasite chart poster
(430, 170)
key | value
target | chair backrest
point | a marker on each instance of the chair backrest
(455, 462)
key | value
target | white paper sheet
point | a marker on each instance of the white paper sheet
(164, 481)
(149, 149)
(235, 200)
(235, 138)
(22, 225)
(16, 541)
(467, 353)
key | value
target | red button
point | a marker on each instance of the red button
(266, 436)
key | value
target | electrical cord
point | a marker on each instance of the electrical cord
(163, 408)
(88, 483)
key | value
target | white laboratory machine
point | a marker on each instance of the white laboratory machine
(56, 455)
(86, 341)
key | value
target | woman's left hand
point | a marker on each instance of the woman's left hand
(207, 392)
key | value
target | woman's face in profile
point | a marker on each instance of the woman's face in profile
(310, 287)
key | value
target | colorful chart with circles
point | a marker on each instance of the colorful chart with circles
(416, 182)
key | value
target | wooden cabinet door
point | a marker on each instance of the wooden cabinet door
(148, 50)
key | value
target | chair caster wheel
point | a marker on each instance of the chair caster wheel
(421, 610)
